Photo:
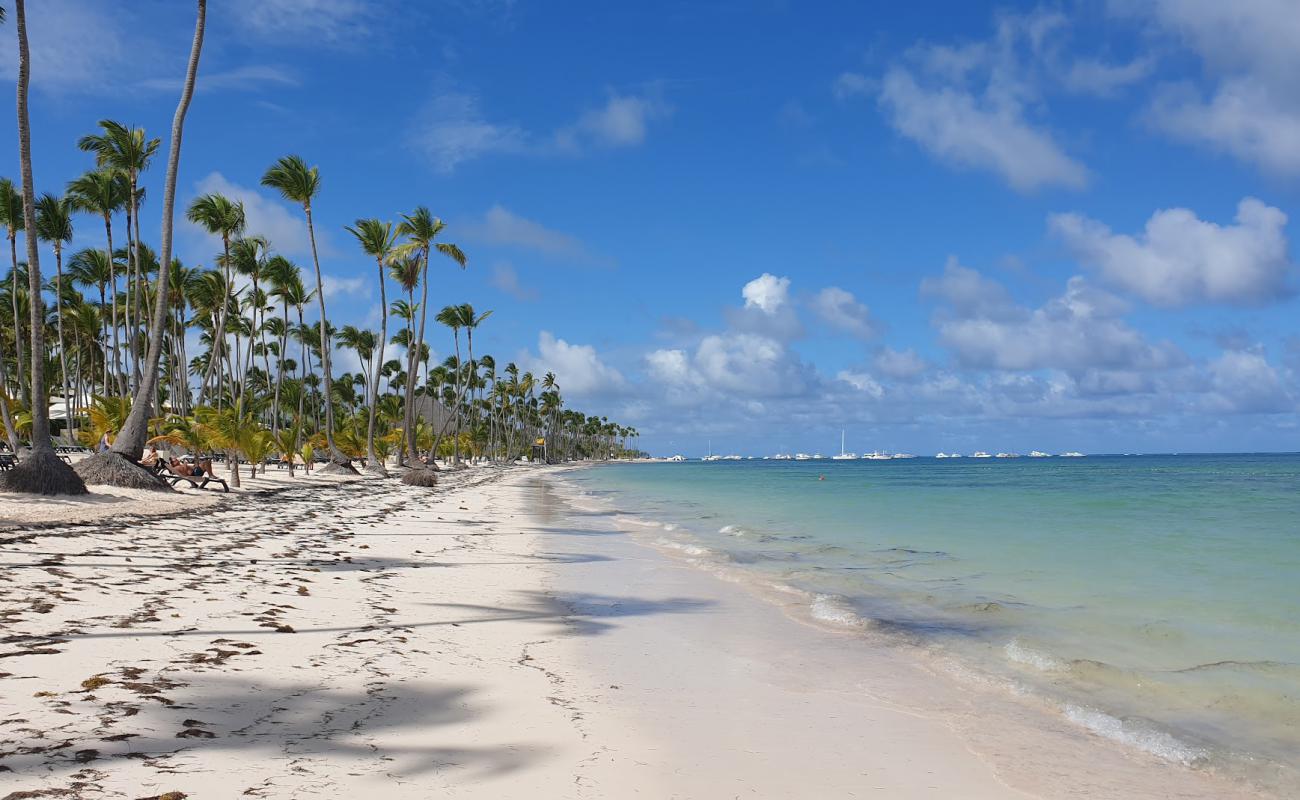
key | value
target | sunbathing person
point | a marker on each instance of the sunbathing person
(196, 470)
(150, 457)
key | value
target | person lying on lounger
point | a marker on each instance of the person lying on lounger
(196, 470)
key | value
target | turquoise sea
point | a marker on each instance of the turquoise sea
(1153, 599)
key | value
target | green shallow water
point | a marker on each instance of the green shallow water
(1155, 598)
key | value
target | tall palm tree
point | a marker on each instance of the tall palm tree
(248, 257)
(128, 151)
(11, 214)
(41, 471)
(285, 280)
(103, 192)
(54, 225)
(92, 267)
(219, 216)
(377, 240)
(130, 441)
(299, 183)
(421, 229)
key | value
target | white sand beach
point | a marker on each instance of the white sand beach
(362, 638)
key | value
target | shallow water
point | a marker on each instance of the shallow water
(1154, 599)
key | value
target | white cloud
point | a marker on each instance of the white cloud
(899, 364)
(310, 22)
(247, 77)
(1244, 381)
(852, 84)
(1248, 48)
(577, 367)
(983, 132)
(842, 311)
(767, 292)
(505, 278)
(452, 129)
(337, 286)
(504, 228)
(75, 46)
(1076, 331)
(863, 382)
(1245, 117)
(284, 227)
(621, 122)
(738, 364)
(1101, 78)
(1180, 259)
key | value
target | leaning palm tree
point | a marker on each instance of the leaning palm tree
(119, 467)
(299, 183)
(219, 216)
(41, 471)
(54, 225)
(377, 240)
(421, 229)
(103, 192)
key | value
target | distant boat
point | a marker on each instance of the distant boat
(903, 455)
(711, 458)
(876, 455)
(818, 456)
(980, 454)
(942, 455)
(731, 458)
(1008, 455)
(782, 457)
(843, 456)
(1071, 454)
(676, 458)
(802, 457)
(1039, 454)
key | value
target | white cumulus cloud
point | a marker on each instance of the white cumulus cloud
(842, 311)
(577, 367)
(1180, 259)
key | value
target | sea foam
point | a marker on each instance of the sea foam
(835, 610)
(1157, 743)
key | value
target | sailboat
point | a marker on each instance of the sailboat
(843, 456)
(711, 456)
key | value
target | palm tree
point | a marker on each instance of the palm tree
(127, 151)
(421, 229)
(103, 192)
(219, 216)
(377, 240)
(248, 257)
(299, 183)
(41, 472)
(130, 442)
(54, 225)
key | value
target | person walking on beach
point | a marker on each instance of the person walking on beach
(104, 442)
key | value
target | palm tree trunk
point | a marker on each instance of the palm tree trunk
(63, 349)
(130, 442)
(41, 472)
(24, 390)
(373, 464)
(335, 455)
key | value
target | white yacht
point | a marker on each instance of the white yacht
(903, 455)
(876, 455)
(1008, 455)
(802, 457)
(942, 455)
(782, 457)
(676, 458)
(843, 456)
(1039, 454)
(980, 454)
(818, 456)
(731, 458)
(1071, 454)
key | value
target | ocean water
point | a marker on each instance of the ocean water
(1152, 599)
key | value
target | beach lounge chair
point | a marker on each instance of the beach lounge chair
(7, 462)
(195, 481)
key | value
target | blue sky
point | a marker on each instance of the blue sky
(951, 226)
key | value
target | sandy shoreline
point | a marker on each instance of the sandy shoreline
(488, 639)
